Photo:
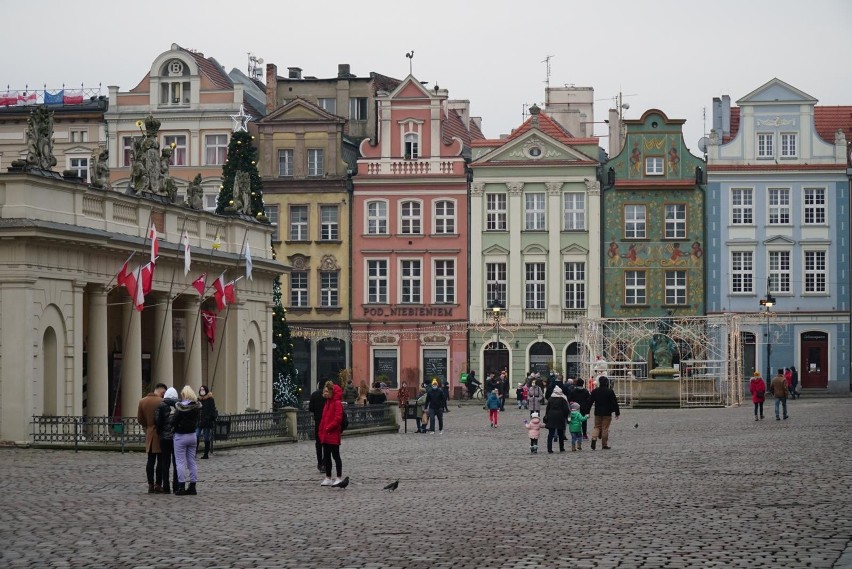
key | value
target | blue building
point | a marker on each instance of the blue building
(777, 219)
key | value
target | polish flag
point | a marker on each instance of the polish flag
(8, 98)
(121, 277)
(230, 293)
(200, 283)
(72, 98)
(147, 274)
(208, 321)
(155, 245)
(186, 258)
(220, 294)
(135, 284)
(26, 98)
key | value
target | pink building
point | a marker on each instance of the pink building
(410, 240)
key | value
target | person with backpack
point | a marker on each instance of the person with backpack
(605, 403)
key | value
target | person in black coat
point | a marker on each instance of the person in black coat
(207, 422)
(435, 402)
(580, 395)
(605, 402)
(555, 418)
(503, 388)
(315, 406)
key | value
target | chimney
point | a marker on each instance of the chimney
(343, 71)
(462, 107)
(294, 73)
(615, 141)
(726, 114)
(271, 87)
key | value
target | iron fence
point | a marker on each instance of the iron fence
(360, 417)
(247, 426)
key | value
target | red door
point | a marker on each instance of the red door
(813, 371)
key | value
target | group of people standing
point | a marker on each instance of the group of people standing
(173, 425)
(783, 385)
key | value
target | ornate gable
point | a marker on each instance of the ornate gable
(535, 146)
(776, 92)
(299, 110)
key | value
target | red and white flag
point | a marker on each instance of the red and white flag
(230, 293)
(121, 277)
(208, 322)
(186, 259)
(155, 244)
(26, 98)
(219, 292)
(72, 98)
(200, 283)
(147, 274)
(134, 282)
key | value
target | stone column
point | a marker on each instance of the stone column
(131, 363)
(98, 356)
(194, 345)
(477, 265)
(163, 371)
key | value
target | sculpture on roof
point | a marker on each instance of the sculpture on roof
(149, 167)
(194, 194)
(100, 168)
(242, 193)
(39, 141)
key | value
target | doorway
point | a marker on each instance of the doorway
(495, 358)
(813, 368)
(749, 350)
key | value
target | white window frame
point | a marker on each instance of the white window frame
(779, 264)
(272, 212)
(79, 168)
(285, 159)
(778, 200)
(299, 297)
(217, 147)
(635, 221)
(443, 281)
(789, 145)
(575, 285)
(376, 275)
(410, 281)
(444, 217)
(496, 212)
(316, 162)
(742, 206)
(813, 209)
(535, 211)
(635, 288)
(328, 104)
(376, 223)
(411, 146)
(676, 288)
(574, 211)
(411, 221)
(742, 272)
(496, 283)
(535, 285)
(299, 229)
(815, 270)
(329, 289)
(765, 145)
(655, 166)
(180, 153)
(675, 214)
(329, 225)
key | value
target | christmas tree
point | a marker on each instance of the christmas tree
(285, 387)
(242, 157)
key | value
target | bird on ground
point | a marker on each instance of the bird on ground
(392, 486)
(342, 484)
(636, 426)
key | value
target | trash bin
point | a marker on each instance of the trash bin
(222, 429)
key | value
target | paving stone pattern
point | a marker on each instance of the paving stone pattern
(686, 488)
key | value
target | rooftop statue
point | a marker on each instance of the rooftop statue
(39, 141)
(194, 194)
(100, 168)
(149, 167)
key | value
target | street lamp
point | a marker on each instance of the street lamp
(768, 303)
(496, 306)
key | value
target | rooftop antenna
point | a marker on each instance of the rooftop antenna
(547, 78)
(410, 56)
(255, 71)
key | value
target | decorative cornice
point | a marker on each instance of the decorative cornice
(299, 261)
(476, 188)
(553, 188)
(381, 338)
(515, 188)
(593, 187)
(329, 263)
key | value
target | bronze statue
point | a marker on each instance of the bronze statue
(663, 349)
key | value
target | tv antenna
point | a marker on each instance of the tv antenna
(410, 56)
(546, 61)
(620, 104)
(255, 71)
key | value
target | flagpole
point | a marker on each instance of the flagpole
(168, 305)
(227, 313)
(198, 314)
(106, 286)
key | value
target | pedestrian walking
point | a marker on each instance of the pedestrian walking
(580, 395)
(504, 386)
(555, 419)
(520, 394)
(535, 394)
(331, 428)
(166, 434)
(575, 426)
(794, 380)
(420, 411)
(435, 402)
(207, 420)
(145, 417)
(605, 402)
(757, 388)
(445, 387)
(316, 403)
(185, 421)
(778, 387)
(533, 426)
(493, 406)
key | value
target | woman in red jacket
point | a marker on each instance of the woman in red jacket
(330, 427)
(757, 388)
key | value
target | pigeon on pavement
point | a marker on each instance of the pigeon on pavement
(342, 484)
(392, 486)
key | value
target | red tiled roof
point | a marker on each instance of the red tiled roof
(829, 120)
(546, 125)
(475, 132)
(487, 142)
(383, 82)
(211, 68)
(452, 126)
(735, 124)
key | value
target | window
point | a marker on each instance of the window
(377, 281)
(329, 289)
(328, 105)
(779, 271)
(789, 145)
(377, 218)
(79, 135)
(575, 286)
(675, 221)
(410, 272)
(815, 271)
(217, 148)
(574, 211)
(409, 219)
(210, 204)
(814, 205)
(298, 223)
(742, 206)
(634, 287)
(358, 108)
(534, 211)
(675, 287)
(495, 212)
(272, 214)
(411, 146)
(634, 222)
(654, 166)
(179, 152)
(174, 92)
(445, 281)
(534, 281)
(495, 282)
(126, 150)
(80, 166)
(329, 223)
(445, 217)
(765, 145)
(779, 206)
(742, 269)
(315, 162)
(285, 162)
(299, 289)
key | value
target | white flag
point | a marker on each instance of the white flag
(186, 259)
(248, 262)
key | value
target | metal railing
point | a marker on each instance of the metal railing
(247, 426)
(360, 417)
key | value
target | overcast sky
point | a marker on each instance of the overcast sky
(675, 55)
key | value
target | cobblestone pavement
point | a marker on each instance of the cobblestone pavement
(686, 488)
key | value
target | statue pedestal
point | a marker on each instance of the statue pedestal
(659, 392)
(663, 373)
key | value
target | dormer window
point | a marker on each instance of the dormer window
(412, 146)
(654, 166)
(174, 84)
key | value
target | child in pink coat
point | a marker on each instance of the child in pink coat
(533, 427)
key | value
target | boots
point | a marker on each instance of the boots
(158, 489)
(594, 443)
(206, 449)
(573, 447)
(150, 488)
(580, 445)
(166, 488)
(191, 490)
(181, 489)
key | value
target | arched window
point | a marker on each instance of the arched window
(445, 217)
(412, 146)
(410, 218)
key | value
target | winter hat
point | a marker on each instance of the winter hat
(575, 406)
(171, 393)
(534, 415)
(434, 383)
(756, 374)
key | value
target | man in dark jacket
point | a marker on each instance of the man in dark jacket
(503, 388)
(435, 402)
(580, 395)
(315, 406)
(605, 402)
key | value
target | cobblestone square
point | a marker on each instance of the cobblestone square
(679, 488)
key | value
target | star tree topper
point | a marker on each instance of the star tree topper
(241, 120)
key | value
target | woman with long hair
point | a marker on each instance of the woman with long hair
(330, 429)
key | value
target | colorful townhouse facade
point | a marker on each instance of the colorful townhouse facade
(534, 248)
(777, 217)
(410, 240)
